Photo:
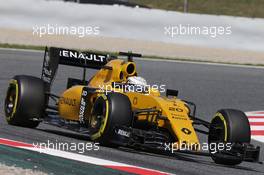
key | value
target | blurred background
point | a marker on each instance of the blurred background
(147, 26)
(246, 8)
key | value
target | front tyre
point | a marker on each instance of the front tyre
(25, 101)
(109, 111)
(229, 126)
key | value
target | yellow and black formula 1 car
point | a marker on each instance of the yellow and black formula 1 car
(110, 111)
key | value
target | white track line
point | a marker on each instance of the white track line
(256, 119)
(82, 158)
(258, 138)
(257, 113)
(257, 128)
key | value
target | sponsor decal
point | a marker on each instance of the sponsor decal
(179, 117)
(46, 72)
(68, 101)
(49, 69)
(186, 131)
(83, 104)
(123, 133)
(83, 56)
(175, 109)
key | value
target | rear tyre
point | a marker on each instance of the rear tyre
(109, 111)
(228, 126)
(25, 101)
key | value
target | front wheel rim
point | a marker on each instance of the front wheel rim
(99, 117)
(217, 132)
(11, 102)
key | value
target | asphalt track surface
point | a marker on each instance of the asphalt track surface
(211, 87)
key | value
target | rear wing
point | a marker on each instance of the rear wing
(53, 57)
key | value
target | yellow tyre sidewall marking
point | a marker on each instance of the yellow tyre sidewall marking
(222, 118)
(13, 83)
(103, 126)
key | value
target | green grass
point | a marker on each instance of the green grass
(18, 46)
(246, 8)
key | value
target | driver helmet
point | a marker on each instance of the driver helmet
(138, 81)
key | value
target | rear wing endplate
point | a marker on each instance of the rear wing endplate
(53, 57)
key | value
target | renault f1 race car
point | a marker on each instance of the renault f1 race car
(109, 110)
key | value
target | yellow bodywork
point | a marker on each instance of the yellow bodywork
(174, 109)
